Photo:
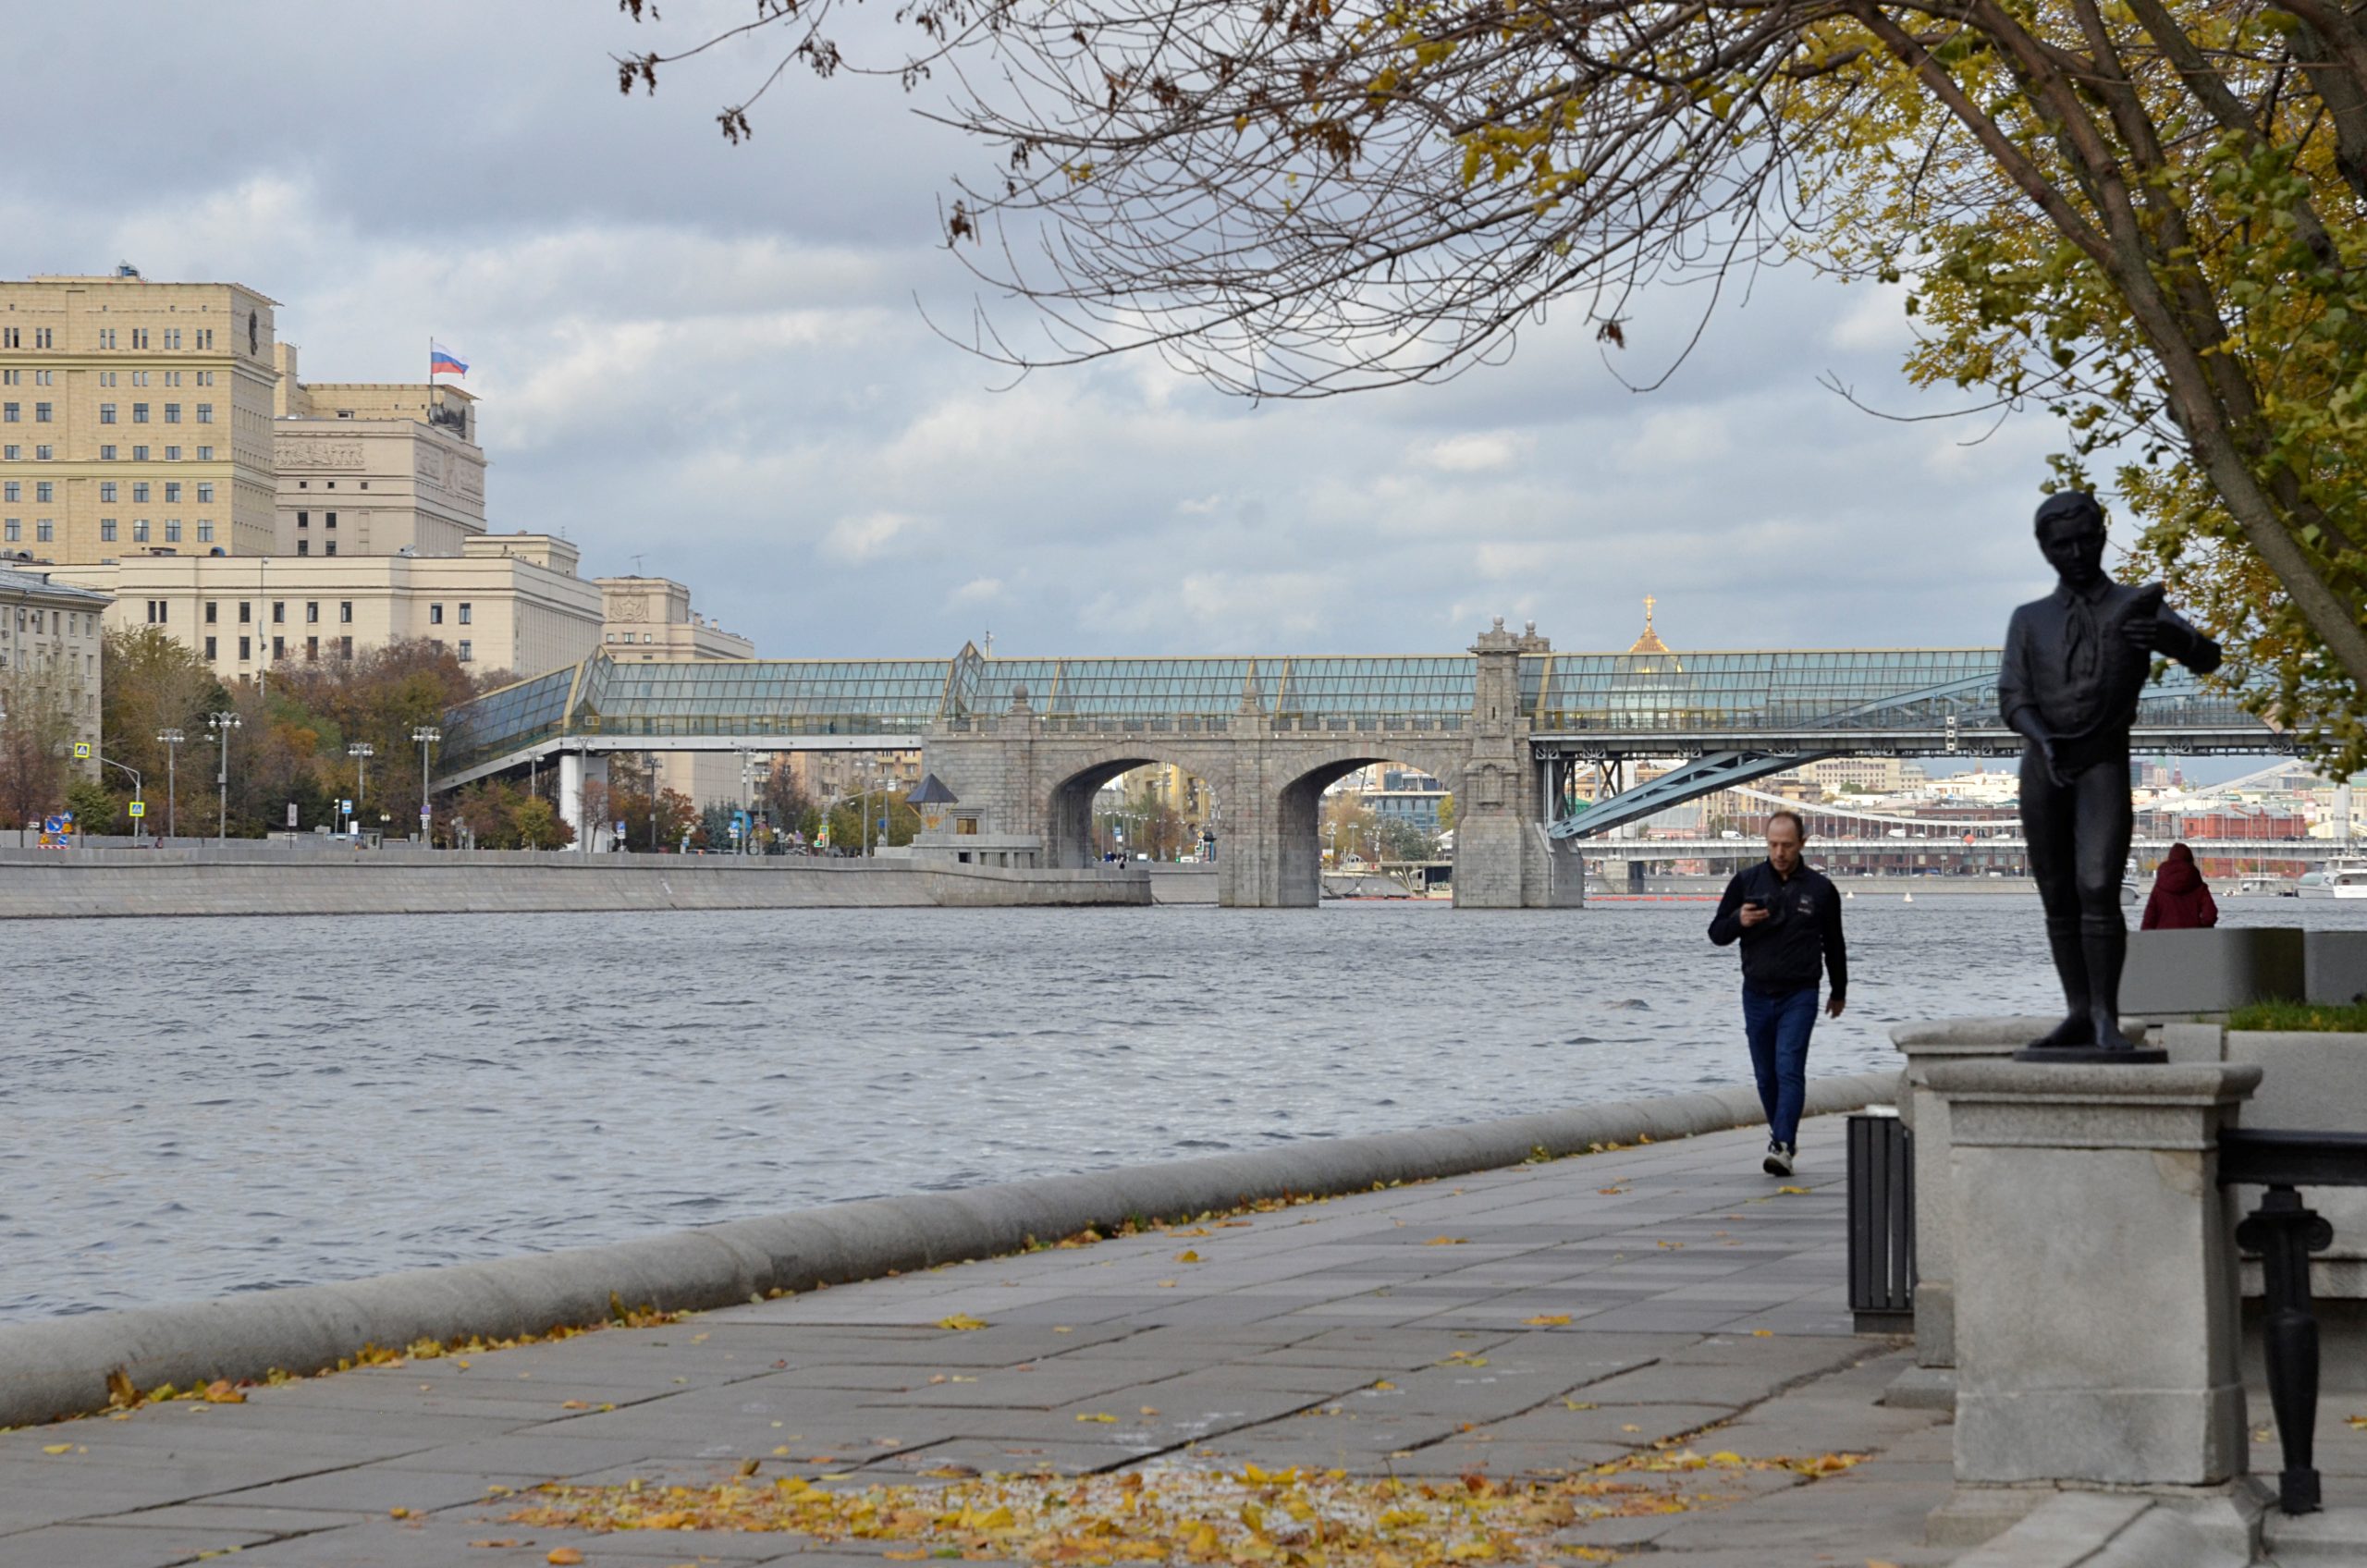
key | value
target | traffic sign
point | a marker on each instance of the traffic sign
(82, 751)
(139, 809)
(53, 824)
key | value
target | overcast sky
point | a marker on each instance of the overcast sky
(709, 362)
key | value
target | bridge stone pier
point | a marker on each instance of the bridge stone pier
(1022, 772)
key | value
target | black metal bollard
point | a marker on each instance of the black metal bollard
(1882, 1224)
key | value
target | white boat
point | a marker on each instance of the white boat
(2128, 888)
(2266, 885)
(2344, 876)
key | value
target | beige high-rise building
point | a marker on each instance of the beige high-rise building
(374, 468)
(135, 418)
(649, 620)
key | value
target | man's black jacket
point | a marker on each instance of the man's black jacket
(1801, 934)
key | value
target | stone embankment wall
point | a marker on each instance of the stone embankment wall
(269, 879)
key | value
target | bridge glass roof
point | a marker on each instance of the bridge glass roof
(1697, 693)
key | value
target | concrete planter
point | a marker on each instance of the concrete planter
(2178, 974)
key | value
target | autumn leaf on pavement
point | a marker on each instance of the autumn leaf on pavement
(1793, 1192)
(1447, 1242)
(960, 1322)
(563, 1555)
(1546, 1320)
(1187, 1256)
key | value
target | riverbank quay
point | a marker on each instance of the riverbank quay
(1525, 1326)
(269, 879)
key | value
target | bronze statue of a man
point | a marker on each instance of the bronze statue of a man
(2075, 665)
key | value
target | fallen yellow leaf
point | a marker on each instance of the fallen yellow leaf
(1166, 1285)
(57, 1448)
(1763, 1333)
(1384, 1385)
(960, 1322)
(1098, 1418)
(1611, 1192)
(1546, 1320)
(398, 1513)
(1187, 1256)
(564, 1555)
(1795, 1192)
(1447, 1242)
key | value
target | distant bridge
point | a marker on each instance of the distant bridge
(1513, 727)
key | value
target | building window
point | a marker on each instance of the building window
(11, 337)
(205, 531)
(139, 489)
(140, 337)
(12, 413)
(303, 547)
(44, 532)
(172, 337)
(40, 413)
(139, 413)
(42, 453)
(14, 490)
(106, 413)
(172, 413)
(106, 530)
(172, 489)
(140, 531)
(12, 452)
(328, 520)
(172, 530)
(106, 491)
(435, 615)
(329, 549)
(345, 647)
(205, 490)
(467, 617)
(246, 645)
(467, 651)
(205, 413)
(12, 531)
(44, 490)
(204, 338)
(205, 454)
(213, 611)
(43, 337)
(210, 650)
(312, 650)
(280, 647)
(158, 612)
(140, 454)
(303, 519)
(279, 612)
(106, 453)
(172, 454)
(311, 612)
(344, 612)
(245, 612)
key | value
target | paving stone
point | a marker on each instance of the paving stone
(377, 1488)
(113, 1546)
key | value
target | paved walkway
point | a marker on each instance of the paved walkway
(1697, 1295)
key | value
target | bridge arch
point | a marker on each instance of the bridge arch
(1297, 859)
(1069, 838)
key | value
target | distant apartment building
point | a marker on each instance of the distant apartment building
(49, 659)
(374, 469)
(134, 416)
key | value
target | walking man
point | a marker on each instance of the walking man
(1789, 918)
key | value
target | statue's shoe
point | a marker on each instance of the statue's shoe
(2075, 1032)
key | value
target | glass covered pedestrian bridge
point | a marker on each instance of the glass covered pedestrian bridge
(1911, 701)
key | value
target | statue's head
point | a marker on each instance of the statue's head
(2071, 536)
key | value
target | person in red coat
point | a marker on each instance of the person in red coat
(2181, 901)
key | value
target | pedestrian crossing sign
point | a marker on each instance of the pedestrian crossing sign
(82, 751)
(138, 810)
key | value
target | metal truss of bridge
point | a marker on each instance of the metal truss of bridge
(1518, 731)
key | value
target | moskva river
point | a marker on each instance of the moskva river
(190, 1107)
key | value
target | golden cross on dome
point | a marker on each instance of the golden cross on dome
(1649, 603)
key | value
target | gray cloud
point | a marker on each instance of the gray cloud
(716, 359)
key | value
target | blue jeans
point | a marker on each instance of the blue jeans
(1778, 1026)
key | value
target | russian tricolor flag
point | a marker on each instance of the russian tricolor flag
(443, 362)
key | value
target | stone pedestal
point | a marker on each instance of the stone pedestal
(2095, 1275)
(1926, 1045)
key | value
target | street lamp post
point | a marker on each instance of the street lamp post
(221, 724)
(426, 735)
(361, 752)
(171, 739)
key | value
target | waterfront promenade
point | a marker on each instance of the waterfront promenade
(1415, 1332)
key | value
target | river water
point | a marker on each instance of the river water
(192, 1108)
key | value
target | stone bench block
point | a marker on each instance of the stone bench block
(2171, 973)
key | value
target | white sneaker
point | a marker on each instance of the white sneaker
(1779, 1159)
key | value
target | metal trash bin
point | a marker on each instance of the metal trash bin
(1882, 1222)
